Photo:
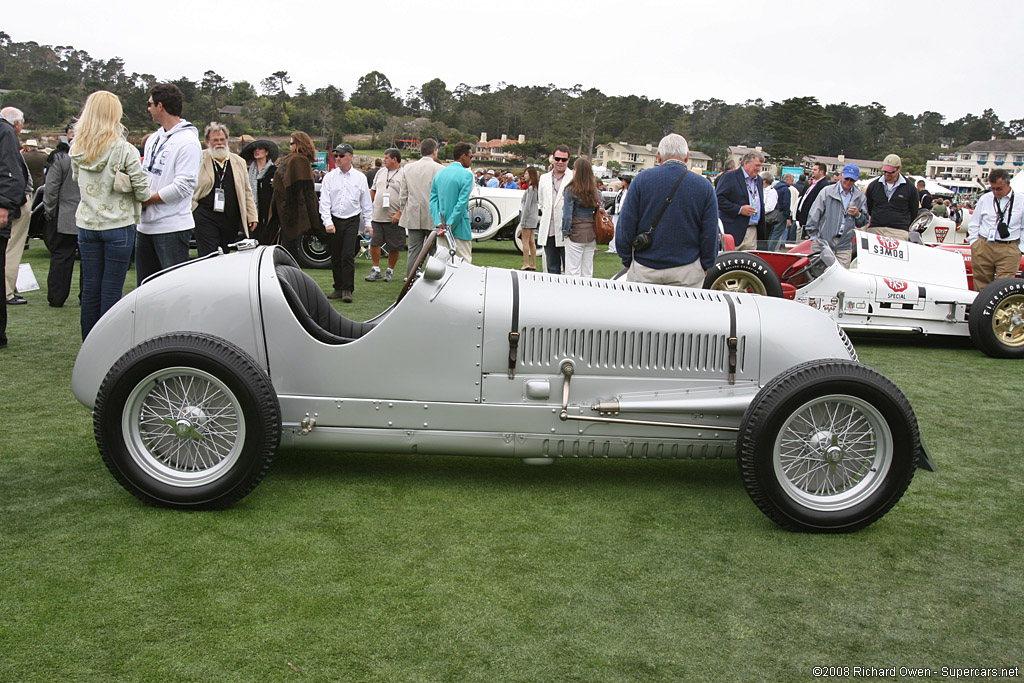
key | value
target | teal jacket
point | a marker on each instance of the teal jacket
(449, 195)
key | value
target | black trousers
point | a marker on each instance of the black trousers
(214, 230)
(3, 306)
(344, 244)
(62, 268)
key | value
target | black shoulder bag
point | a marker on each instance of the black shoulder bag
(644, 240)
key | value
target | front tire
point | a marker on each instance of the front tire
(737, 272)
(996, 321)
(828, 447)
(187, 421)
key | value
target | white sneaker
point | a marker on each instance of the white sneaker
(387, 274)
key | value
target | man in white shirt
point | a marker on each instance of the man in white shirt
(550, 193)
(995, 233)
(171, 160)
(344, 200)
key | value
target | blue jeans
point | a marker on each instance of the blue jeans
(777, 235)
(153, 253)
(555, 256)
(106, 255)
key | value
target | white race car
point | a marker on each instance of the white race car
(894, 286)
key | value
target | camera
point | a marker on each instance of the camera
(1004, 230)
(643, 240)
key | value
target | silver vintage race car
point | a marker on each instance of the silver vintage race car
(192, 395)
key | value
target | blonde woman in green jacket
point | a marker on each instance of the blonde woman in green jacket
(106, 217)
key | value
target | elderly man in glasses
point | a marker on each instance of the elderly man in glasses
(893, 201)
(345, 209)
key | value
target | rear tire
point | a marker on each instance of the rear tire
(737, 272)
(996, 321)
(828, 447)
(187, 421)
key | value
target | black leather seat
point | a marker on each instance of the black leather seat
(312, 308)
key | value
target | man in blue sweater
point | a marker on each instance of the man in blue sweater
(685, 239)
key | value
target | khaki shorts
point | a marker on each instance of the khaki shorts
(388, 233)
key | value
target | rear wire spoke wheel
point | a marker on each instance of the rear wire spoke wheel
(828, 447)
(187, 421)
(184, 426)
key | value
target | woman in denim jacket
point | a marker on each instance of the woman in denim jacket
(581, 201)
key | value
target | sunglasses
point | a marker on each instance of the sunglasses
(561, 158)
(149, 104)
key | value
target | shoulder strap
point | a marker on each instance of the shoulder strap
(668, 201)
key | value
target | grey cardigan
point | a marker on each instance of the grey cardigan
(61, 195)
(529, 210)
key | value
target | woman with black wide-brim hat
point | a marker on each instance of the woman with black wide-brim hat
(261, 156)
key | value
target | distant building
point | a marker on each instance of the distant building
(494, 150)
(230, 110)
(868, 167)
(973, 163)
(631, 158)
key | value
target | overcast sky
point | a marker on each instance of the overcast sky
(910, 57)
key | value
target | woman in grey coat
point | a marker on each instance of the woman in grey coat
(60, 202)
(529, 218)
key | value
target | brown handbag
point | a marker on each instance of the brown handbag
(603, 226)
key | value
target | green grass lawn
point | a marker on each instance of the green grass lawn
(356, 567)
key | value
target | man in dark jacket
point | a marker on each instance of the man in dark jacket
(741, 202)
(923, 196)
(816, 184)
(892, 201)
(12, 196)
(60, 203)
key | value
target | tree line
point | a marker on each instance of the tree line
(50, 83)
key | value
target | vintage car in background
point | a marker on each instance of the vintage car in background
(938, 230)
(893, 286)
(192, 395)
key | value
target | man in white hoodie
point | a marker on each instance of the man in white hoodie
(171, 160)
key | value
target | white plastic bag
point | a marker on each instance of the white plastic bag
(26, 278)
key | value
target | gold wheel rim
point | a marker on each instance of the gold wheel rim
(738, 282)
(1008, 321)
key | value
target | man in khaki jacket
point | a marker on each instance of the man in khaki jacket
(414, 199)
(222, 203)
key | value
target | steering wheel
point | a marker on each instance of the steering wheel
(801, 267)
(920, 224)
(420, 260)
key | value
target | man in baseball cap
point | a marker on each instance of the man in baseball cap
(893, 201)
(839, 210)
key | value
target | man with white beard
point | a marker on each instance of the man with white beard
(222, 204)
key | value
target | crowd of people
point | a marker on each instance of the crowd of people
(110, 203)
